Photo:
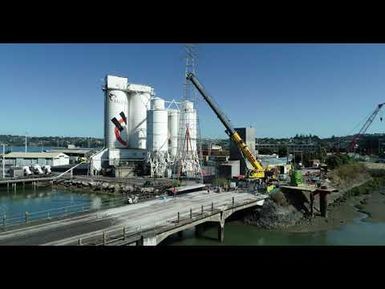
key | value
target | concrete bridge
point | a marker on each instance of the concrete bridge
(147, 223)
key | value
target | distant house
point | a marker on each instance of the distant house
(52, 159)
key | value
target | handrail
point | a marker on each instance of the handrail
(71, 169)
(108, 237)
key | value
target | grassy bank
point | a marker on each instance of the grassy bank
(361, 190)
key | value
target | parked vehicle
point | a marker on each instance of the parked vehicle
(36, 169)
(27, 171)
(47, 169)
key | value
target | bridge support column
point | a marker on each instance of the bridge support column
(221, 231)
(323, 203)
(199, 230)
(139, 242)
(221, 228)
(311, 204)
(149, 241)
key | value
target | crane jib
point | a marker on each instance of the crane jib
(235, 137)
(212, 104)
(364, 127)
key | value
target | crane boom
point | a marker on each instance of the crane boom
(364, 127)
(259, 171)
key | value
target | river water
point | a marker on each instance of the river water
(47, 202)
(358, 232)
(44, 203)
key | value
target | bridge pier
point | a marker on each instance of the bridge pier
(149, 241)
(199, 229)
(323, 203)
(221, 231)
(139, 242)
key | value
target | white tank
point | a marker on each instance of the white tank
(188, 117)
(116, 119)
(157, 126)
(173, 124)
(157, 103)
(139, 99)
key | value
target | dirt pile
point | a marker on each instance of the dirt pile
(274, 214)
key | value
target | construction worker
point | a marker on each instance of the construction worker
(270, 187)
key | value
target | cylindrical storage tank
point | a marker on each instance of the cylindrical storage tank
(139, 104)
(173, 125)
(157, 126)
(116, 119)
(157, 103)
(189, 120)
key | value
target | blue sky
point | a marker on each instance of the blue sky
(280, 89)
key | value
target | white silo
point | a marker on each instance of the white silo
(139, 99)
(116, 119)
(157, 126)
(188, 121)
(173, 125)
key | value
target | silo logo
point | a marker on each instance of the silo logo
(118, 127)
(115, 99)
(112, 97)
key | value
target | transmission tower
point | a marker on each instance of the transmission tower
(187, 157)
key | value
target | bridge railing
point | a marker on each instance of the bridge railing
(29, 218)
(134, 233)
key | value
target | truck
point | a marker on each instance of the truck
(36, 169)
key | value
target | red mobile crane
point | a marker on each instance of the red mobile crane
(364, 127)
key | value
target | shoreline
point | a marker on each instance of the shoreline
(287, 211)
(345, 211)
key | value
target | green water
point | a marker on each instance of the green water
(48, 203)
(358, 232)
(13, 205)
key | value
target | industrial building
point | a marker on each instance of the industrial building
(248, 135)
(21, 159)
(145, 134)
(75, 154)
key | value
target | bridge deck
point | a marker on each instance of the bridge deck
(136, 217)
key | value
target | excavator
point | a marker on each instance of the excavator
(258, 172)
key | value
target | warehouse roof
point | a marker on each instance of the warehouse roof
(72, 151)
(33, 155)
